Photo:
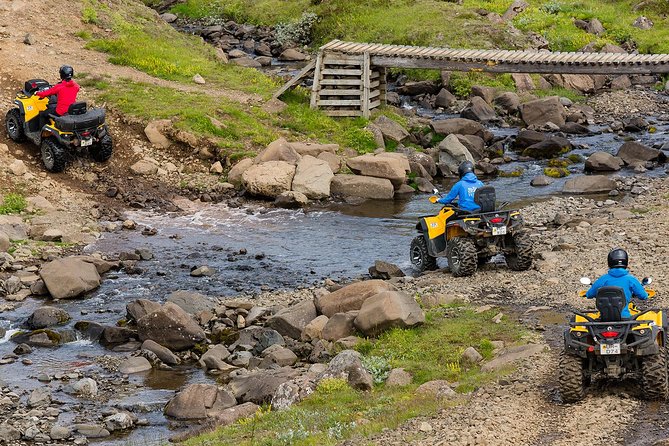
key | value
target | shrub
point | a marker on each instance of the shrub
(378, 367)
(13, 204)
(299, 32)
(552, 7)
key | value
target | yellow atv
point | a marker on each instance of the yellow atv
(471, 239)
(58, 135)
(602, 343)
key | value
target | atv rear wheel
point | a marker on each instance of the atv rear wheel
(571, 378)
(462, 258)
(521, 258)
(654, 381)
(53, 155)
(102, 151)
(420, 257)
(14, 125)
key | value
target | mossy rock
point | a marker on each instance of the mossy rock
(38, 338)
(559, 162)
(511, 174)
(575, 158)
(556, 172)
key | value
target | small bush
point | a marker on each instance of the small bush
(13, 204)
(331, 385)
(556, 172)
(552, 7)
(378, 367)
(299, 32)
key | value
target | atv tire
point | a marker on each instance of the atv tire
(420, 257)
(14, 125)
(571, 378)
(53, 155)
(462, 258)
(521, 258)
(654, 381)
(102, 151)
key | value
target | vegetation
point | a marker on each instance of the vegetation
(335, 412)
(13, 203)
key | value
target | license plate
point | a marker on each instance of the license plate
(499, 230)
(86, 142)
(609, 349)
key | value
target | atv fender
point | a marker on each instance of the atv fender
(435, 245)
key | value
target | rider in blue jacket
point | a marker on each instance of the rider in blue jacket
(464, 189)
(619, 276)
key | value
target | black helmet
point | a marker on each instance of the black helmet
(66, 72)
(617, 258)
(465, 167)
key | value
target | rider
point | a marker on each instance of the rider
(464, 189)
(619, 276)
(66, 91)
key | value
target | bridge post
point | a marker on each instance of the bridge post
(366, 82)
(316, 87)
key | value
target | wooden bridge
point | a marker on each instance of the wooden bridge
(349, 77)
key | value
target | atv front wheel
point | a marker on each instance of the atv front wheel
(102, 151)
(462, 258)
(521, 258)
(53, 155)
(420, 257)
(14, 125)
(654, 381)
(571, 378)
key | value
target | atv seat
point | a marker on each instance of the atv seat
(610, 301)
(486, 198)
(78, 108)
(88, 120)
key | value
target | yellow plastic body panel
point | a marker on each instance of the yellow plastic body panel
(436, 226)
(32, 105)
(654, 316)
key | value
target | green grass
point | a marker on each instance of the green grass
(573, 95)
(13, 203)
(335, 412)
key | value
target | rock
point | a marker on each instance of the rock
(22, 349)
(386, 310)
(170, 325)
(169, 17)
(384, 270)
(390, 129)
(348, 365)
(14, 227)
(202, 271)
(292, 321)
(312, 178)
(523, 82)
(52, 235)
(143, 167)
(589, 184)
(235, 174)
(340, 325)
(425, 160)
(198, 79)
(451, 153)
(136, 364)
(191, 302)
(69, 277)
(163, 353)
(479, 110)
(274, 107)
(153, 132)
(291, 200)
(378, 166)
(221, 57)
(247, 62)
(46, 316)
(119, 421)
(362, 187)
(236, 54)
(41, 203)
(611, 48)
(635, 124)
(313, 149)
(541, 180)
(392, 98)
(351, 297)
(399, 378)
(216, 168)
(214, 358)
(438, 389)
(603, 162)
(59, 432)
(511, 355)
(621, 82)
(445, 99)
(259, 386)
(84, 387)
(259, 339)
(474, 144)
(334, 161)
(280, 356)
(471, 355)
(509, 102)
(223, 418)
(527, 138)
(18, 168)
(9, 433)
(516, 8)
(91, 430)
(5, 243)
(199, 401)
(458, 126)
(595, 27)
(292, 55)
(279, 150)
(643, 22)
(314, 329)
(39, 397)
(548, 148)
(139, 308)
(633, 152)
(540, 111)
(269, 179)
(420, 87)
(578, 82)
(424, 186)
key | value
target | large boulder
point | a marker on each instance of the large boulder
(199, 401)
(603, 162)
(527, 138)
(170, 325)
(259, 386)
(333, 160)
(351, 297)
(214, 358)
(589, 184)
(458, 126)
(390, 129)
(235, 174)
(14, 227)
(269, 179)
(633, 152)
(313, 149)
(451, 153)
(155, 130)
(340, 325)
(579, 82)
(474, 144)
(479, 110)
(509, 102)
(291, 200)
(313, 177)
(386, 310)
(139, 308)
(379, 167)
(163, 353)
(541, 111)
(420, 87)
(258, 339)
(291, 321)
(362, 187)
(46, 316)
(191, 302)
(445, 99)
(69, 277)
(548, 148)
(279, 150)
(424, 160)
(348, 365)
